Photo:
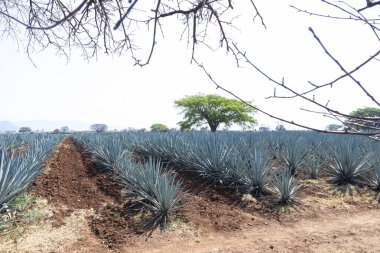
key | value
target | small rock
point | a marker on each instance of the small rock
(271, 247)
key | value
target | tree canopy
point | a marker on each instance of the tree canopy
(214, 110)
(333, 127)
(158, 127)
(99, 128)
(364, 119)
(25, 130)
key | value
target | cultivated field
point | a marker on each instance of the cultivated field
(189, 192)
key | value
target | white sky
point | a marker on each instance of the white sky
(111, 90)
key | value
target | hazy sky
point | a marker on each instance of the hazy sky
(111, 90)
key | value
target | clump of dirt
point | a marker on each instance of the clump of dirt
(215, 207)
(211, 215)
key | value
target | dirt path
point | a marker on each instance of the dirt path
(351, 233)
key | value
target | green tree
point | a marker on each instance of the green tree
(214, 110)
(25, 130)
(65, 129)
(158, 127)
(364, 119)
(99, 128)
(333, 127)
(280, 127)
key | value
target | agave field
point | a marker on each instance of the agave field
(160, 175)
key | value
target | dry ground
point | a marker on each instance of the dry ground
(82, 210)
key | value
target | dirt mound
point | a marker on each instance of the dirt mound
(70, 182)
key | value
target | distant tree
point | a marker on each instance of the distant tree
(214, 110)
(280, 127)
(99, 128)
(364, 119)
(333, 127)
(56, 131)
(25, 130)
(264, 129)
(158, 127)
(65, 129)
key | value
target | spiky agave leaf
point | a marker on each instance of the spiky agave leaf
(294, 151)
(212, 158)
(108, 151)
(373, 178)
(155, 187)
(348, 163)
(252, 172)
(18, 171)
(165, 199)
(285, 187)
(314, 166)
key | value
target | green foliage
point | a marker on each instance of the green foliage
(65, 129)
(333, 127)
(22, 201)
(365, 124)
(25, 130)
(158, 127)
(214, 110)
(99, 128)
(280, 127)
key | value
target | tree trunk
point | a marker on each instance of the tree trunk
(213, 128)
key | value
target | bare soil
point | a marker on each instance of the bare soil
(90, 213)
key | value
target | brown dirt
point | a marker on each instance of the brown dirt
(210, 219)
(72, 182)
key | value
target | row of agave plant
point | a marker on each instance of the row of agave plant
(21, 160)
(148, 181)
(256, 163)
(267, 162)
(230, 159)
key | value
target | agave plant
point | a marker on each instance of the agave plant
(373, 178)
(18, 171)
(294, 152)
(165, 199)
(212, 158)
(252, 172)
(108, 151)
(314, 166)
(348, 163)
(152, 184)
(285, 187)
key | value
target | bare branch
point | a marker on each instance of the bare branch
(343, 69)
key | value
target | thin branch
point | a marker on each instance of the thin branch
(342, 68)
(218, 86)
